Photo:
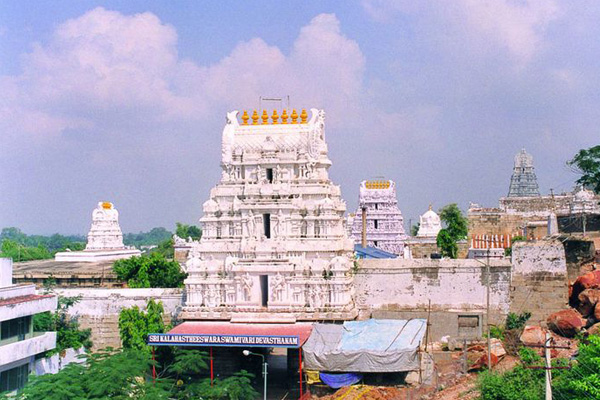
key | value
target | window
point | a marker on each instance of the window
(375, 243)
(264, 290)
(14, 379)
(16, 328)
(219, 230)
(469, 327)
(267, 225)
(270, 175)
(376, 222)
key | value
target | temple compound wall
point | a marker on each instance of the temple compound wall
(98, 309)
(539, 278)
(536, 281)
(399, 288)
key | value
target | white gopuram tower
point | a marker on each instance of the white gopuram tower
(274, 246)
(384, 219)
(105, 239)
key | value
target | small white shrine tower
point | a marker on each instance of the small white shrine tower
(274, 246)
(105, 239)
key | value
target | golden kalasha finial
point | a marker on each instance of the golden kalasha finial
(294, 116)
(245, 118)
(265, 117)
(284, 117)
(303, 116)
(275, 117)
(254, 118)
(430, 207)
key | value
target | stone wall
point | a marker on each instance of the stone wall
(539, 278)
(98, 309)
(398, 288)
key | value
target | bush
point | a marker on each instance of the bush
(68, 333)
(519, 383)
(149, 271)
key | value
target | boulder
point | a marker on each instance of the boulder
(597, 312)
(533, 335)
(566, 323)
(594, 329)
(590, 280)
(587, 301)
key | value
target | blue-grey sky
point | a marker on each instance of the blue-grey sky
(125, 100)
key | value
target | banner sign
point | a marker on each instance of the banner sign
(168, 339)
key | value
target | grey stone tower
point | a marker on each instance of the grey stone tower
(523, 182)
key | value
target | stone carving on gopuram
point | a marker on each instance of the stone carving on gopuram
(523, 182)
(273, 244)
(385, 228)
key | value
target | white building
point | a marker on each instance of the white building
(274, 245)
(430, 224)
(19, 344)
(384, 220)
(105, 239)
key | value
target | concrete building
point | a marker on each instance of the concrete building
(274, 247)
(384, 222)
(19, 344)
(105, 239)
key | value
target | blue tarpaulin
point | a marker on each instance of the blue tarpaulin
(336, 381)
(374, 345)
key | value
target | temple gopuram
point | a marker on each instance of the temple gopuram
(378, 210)
(274, 247)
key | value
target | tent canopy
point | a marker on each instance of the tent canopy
(365, 346)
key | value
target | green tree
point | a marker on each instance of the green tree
(122, 376)
(135, 325)
(455, 222)
(68, 332)
(185, 231)
(447, 244)
(587, 163)
(415, 229)
(520, 383)
(582, 381)
(508, 250)
(149, 271)
(456, 229)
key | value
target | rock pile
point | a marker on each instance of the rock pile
(584, 298)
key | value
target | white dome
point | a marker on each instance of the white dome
(429, 224)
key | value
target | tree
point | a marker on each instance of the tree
(456, 229)
(68, 332)
(456, 223)
(587, 163)
(149, 271)
(415, 229)
(135, 325)
(447, 244)
(582, 381)
(185, 231)
(122, 375)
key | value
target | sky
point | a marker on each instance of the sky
(125, 101)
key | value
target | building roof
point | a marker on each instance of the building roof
(23, 299)
(372, 252)
(302, 330)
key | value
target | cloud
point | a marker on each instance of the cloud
(105, 62)
(517, 27)
(108, 96)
